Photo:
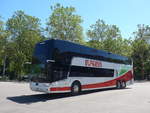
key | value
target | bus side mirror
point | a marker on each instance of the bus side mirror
(50, 61)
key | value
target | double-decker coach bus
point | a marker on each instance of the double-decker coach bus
(60, 66)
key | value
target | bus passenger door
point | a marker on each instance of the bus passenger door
(116, 73)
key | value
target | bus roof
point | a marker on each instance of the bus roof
(67, 46)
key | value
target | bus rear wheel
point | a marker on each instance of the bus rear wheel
(118, 85)
(123, 84)
(75, 88)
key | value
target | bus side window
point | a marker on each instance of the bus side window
(63, 73)
(60, 73)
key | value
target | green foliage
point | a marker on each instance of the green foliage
(64, 24)
(3, 46)
(25, 33)
(123, 46)
(101, 31)
(142, 31)
(21, 22)
(2, 37)
(108, 37)
(141, 58)
(141, 52)
(2, 40)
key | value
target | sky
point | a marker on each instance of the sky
(126, 14)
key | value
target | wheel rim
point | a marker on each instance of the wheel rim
(75, 88)
(118, 85)
(123, 84)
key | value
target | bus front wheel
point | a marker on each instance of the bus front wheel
(75, 88)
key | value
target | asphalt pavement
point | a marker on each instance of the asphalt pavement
(18, 98)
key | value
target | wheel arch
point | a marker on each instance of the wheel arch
(76, 81)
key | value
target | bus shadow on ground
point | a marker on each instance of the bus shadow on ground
(29, 99)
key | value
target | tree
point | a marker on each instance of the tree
(101, 31)
(25, 33)
(2, 39)
(140, 52)
(123, 47)
(64, 24)
(140, 57)
(97, 31)
(108, 37)
(3, 46)
(142, 31)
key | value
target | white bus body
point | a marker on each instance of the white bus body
(122, 73)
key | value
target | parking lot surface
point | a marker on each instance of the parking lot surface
(18, 98)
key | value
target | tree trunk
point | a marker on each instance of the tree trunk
(4, 66)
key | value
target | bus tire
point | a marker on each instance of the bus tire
(123, 84)
(75, 88)
(118, 85)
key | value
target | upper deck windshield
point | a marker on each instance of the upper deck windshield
(39, 72)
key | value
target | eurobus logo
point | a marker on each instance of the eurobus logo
(93, 63)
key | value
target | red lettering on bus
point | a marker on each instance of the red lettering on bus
(93, 63)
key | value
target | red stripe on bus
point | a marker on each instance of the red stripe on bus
(60, 89)
(126, 77)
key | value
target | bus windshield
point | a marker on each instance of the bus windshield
(44, 71)
(50, 72)
(39, 73)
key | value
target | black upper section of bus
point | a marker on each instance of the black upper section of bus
(63, 51)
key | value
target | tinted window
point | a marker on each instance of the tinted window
(39, 55)
(59, 72)
(77, 71)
